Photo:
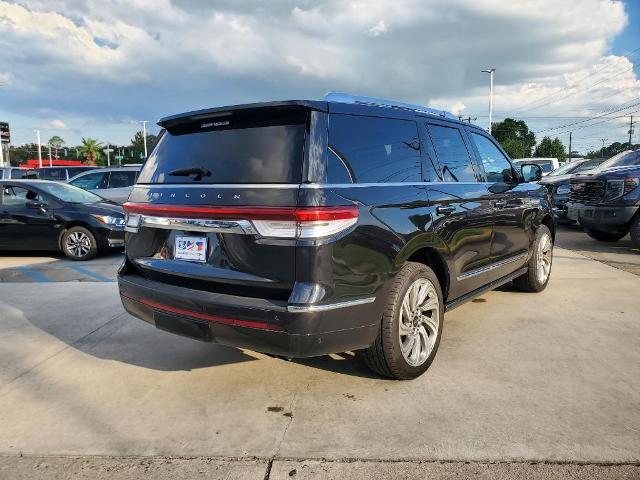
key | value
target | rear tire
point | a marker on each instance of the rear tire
(79, 244)
(634, 230)
(411, 325)
(539, 272)
(604, 236)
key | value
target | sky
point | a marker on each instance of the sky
(95, 68)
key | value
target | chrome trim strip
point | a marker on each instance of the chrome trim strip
(330, 306)
(388, 184)
(493, 266)
(199, 224)
(218, 185)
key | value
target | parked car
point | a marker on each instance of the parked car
(114, 183)
(558, 183)
(61, 174)
(302, 228)
(12, 172)
(47, 215)
(546, 164)
(606, 201)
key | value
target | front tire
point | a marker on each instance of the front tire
(604, 236)
(79, 244)
(634, 230)
(539, 271)
(411, 325)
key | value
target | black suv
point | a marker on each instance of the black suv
(301, 228)
(606, 201)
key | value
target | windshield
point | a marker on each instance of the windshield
(563, 170)
(69, 193)
(622, 159)
(245, 148)
(588, 165)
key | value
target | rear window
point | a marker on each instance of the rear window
(239, 148)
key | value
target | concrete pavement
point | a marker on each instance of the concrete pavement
(548, 377)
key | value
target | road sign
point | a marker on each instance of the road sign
(5, 133)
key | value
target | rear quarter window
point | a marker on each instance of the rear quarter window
(243, 148)
(373, 149)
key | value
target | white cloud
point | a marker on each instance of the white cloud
(378, 29)
(146, 58)
(56, 124)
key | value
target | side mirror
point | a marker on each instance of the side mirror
(531, 172)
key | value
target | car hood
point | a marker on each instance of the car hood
(609, 173)
(102, 208)
(556, 179)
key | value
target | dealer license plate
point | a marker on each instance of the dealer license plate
(190, 248)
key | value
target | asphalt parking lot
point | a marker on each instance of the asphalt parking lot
(524, 385)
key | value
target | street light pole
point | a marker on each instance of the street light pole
(144, 136)
(490, 71)
(39, 149)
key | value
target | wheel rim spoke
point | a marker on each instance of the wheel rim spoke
(419, 322)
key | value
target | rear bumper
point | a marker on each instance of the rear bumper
(256, 324)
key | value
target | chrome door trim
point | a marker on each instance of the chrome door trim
(330, 306)
(492, 266)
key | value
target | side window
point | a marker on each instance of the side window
(376, 150)
(17, 196)
(120, 179)
(17, 173)
(452, 154)
(91, 181)
(496, 166)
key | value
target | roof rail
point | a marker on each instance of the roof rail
(341, 97)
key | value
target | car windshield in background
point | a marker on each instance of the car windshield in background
(565, 169)
(622, 159)
(588, 165)
(237, 150)
(69, 193)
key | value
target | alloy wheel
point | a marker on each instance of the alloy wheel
(419, 322)
(78, 244)
(544, 256)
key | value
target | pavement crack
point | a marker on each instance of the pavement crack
(3, 389)
(290, 419)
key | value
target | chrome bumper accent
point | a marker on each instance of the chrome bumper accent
(196, 225)
(493, 266)
(330, 306)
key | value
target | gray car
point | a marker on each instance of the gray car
(9, 173)
(114, 183)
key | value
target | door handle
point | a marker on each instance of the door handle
(445, 210)
(499, 203)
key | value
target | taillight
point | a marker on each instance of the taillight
(273, 222)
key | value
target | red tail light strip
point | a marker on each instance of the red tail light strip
(300, 214)
(206, 316)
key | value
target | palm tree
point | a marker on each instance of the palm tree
(90, 149)
(56, 142)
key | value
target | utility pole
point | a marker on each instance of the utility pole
(490, 72)
(39, 148)
(2, 155)
(630, 129)
(570, 147)
(108, 150)
(50, 161)
(144, 136)
(603, 142)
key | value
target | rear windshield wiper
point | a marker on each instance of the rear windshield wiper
(197, 172)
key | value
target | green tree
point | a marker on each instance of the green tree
(91, 150)
(137, 143)
(551, 149)
(56, 142)
(611, 150)
(514, 136)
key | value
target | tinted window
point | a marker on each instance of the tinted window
(120, 179)
(234, 149)
(337, 169)
(91, 181)
(52, 174)
(452, 154)
(623, 159)
(18, 196)
(17, 172)
(377, 149)
(496, 166)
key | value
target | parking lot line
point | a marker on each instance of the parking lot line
(89, 273)
(33, 274)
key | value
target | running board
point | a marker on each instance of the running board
(490, 286)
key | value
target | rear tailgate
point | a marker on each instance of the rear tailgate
(208, 188)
